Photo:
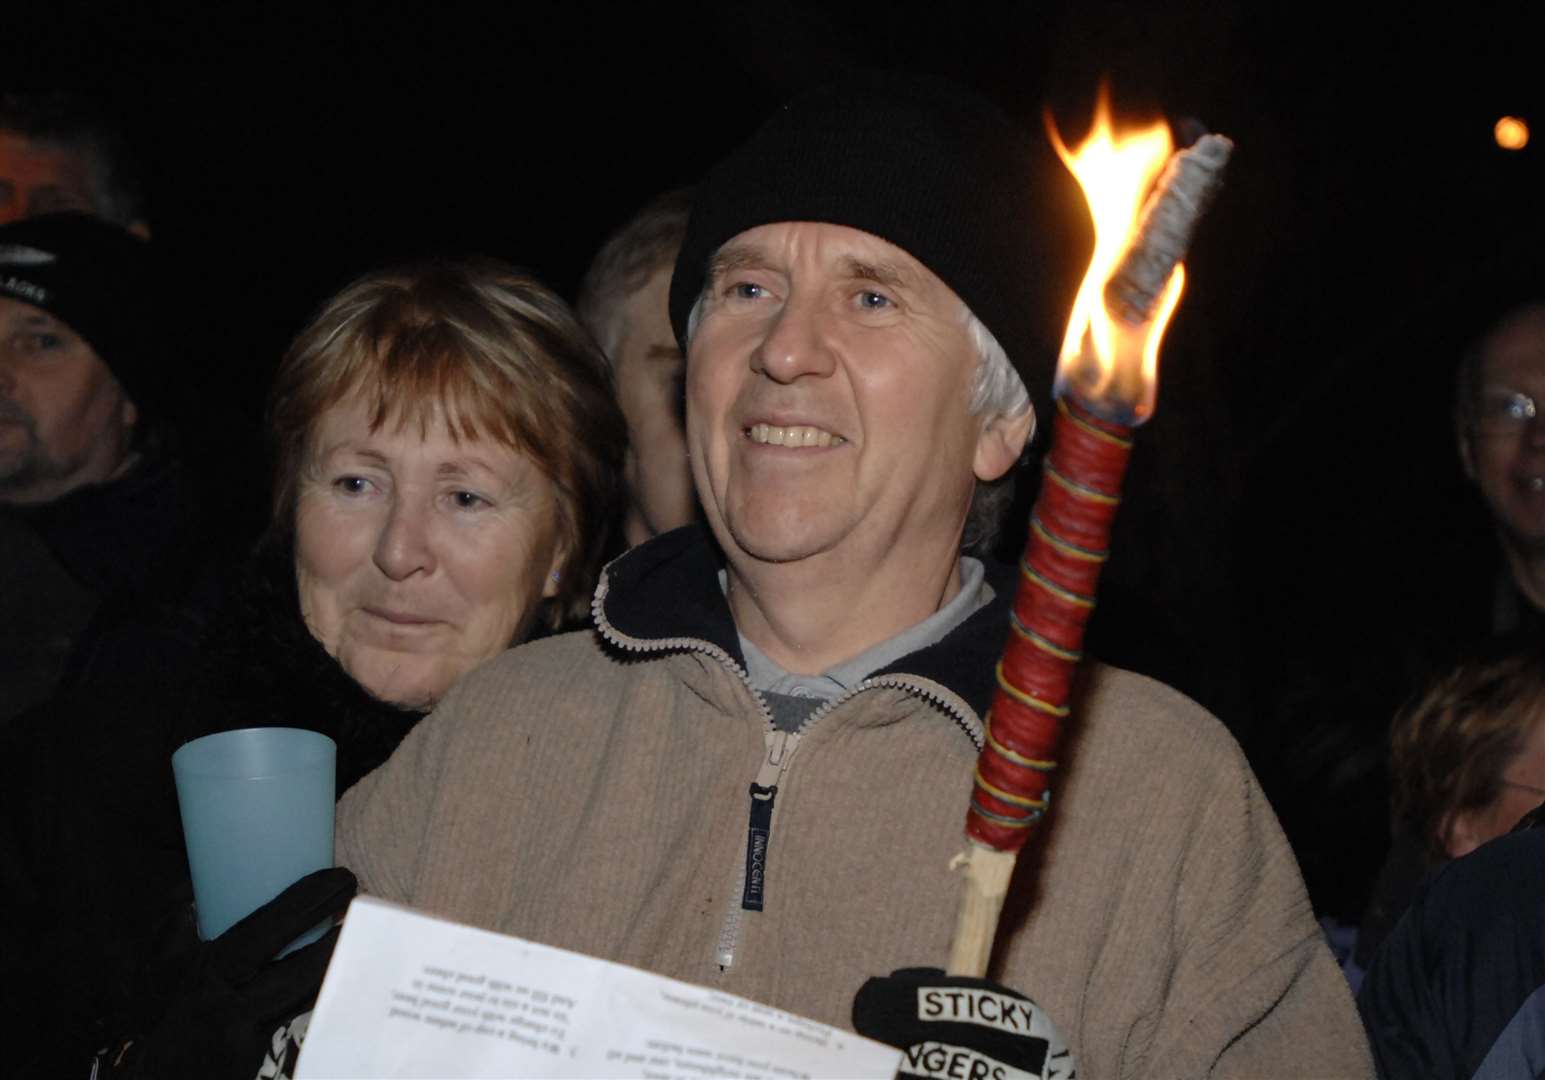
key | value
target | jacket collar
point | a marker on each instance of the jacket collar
(665, 594)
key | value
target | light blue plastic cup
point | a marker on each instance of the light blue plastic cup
(257, 815)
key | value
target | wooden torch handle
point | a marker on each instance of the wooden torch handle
(1069, 540)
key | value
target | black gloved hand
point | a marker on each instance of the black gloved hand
(959, 1028)
(234, 994)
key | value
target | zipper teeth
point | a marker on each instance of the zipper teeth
(946, 701)
(671, 644)
(727, 943)
(729, 932)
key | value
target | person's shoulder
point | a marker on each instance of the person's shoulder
(1143, 712)
(1497, 887)
(1456, 986)
(1134, 734)
(1131, 734)
(1478, 918)
(550, 650)
(556, 655)
(547, 672)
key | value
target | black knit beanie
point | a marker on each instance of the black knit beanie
(99, 280)
(935, 170)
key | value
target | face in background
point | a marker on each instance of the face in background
(649, 372)
(43, 178)
(64, 420)
(828, 384)
(417, 556)
(1523, 788)
(1503, 451)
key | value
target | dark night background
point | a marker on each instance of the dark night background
(1297, 517)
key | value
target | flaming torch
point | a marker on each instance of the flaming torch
(1145, 201)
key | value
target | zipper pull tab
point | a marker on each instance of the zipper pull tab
(780, 747)
(757, 835)
(780, 744)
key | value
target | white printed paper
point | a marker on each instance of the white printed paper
(409, 995)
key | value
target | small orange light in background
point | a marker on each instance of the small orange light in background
(1512, 133)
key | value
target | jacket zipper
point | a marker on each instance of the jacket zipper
(748, 891)
(764, 789)
(942, 699)
(748, 887)
(780, 747)
(746, 894)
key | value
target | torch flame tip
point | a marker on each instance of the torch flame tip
(1110, 364)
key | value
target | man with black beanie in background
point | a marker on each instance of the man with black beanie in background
(95, 515)
(111, 561)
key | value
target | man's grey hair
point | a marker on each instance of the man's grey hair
(997, 390)
(83, 124)
(627, 260)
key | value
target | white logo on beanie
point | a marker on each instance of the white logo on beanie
(21, 255)
(25, 290)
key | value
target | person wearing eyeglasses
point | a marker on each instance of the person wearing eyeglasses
(1501, 432)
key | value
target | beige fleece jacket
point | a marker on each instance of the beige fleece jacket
(575, 796)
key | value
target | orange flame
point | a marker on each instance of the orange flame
(1111, 367)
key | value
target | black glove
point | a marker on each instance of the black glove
(963, 1029)
(234, 994)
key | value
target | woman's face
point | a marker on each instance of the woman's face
(417, 557)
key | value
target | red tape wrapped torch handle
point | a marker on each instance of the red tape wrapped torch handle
(1058, 575)
(1070, 540)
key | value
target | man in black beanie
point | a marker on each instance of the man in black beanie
(92, 503)
(72, 326)
(754, 773)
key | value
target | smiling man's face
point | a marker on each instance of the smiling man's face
(828, 384)
(1504, 451)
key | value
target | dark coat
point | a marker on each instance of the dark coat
(96, 892)
(1459, 987)
(107, 583)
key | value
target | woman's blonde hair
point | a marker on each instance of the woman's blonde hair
(495, 352)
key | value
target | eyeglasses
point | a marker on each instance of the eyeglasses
(1500, 411)
(1522, 787)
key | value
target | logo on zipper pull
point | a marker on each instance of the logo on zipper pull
(758, 833)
